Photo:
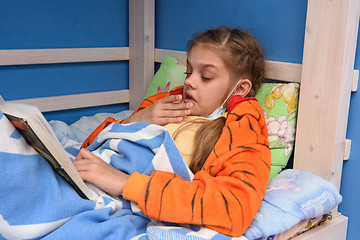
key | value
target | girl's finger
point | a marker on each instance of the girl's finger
(84, 153)
(176, 113)
(167, 120)
(81, 167)
(177, 106)
(172, 98)
(81, 161)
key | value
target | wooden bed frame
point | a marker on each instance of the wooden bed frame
(326, 76)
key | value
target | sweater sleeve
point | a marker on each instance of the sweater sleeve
(227, 193)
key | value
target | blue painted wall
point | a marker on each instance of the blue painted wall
(63, 24)
(278, 25)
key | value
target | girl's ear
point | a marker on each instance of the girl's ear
(243, 87)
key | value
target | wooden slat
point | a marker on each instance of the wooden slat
(327, 72)
(62, 55)
(161, 53)
(141, 43)
(47, 104)
(282, 71)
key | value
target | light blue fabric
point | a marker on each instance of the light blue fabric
(292, 196)
(36, 202)
(81, 129)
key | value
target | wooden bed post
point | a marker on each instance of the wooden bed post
(327, 69)
(141, 44)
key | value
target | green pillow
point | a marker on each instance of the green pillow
(279, 103)
(171, 74)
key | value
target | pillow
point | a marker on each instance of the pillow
(279, 103)
(171, 74)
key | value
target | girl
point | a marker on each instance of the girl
(231, 159)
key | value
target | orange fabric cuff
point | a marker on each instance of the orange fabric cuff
(90, 139)
(134, 186)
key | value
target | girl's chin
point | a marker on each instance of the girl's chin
(194, 112)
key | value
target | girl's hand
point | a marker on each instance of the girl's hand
(166, 110)
(94, 170)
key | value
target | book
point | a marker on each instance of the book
(33, 126)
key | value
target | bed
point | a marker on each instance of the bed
(326, 79)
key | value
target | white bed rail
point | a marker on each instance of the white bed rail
(73, 101)
(62, 55)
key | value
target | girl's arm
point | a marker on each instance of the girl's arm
(226, 194)
(161, 109)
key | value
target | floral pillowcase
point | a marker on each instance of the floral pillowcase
(278, 101)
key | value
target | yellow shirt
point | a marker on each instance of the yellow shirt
(185, 138)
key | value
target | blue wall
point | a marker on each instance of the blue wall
(63, 24)
(277, 24)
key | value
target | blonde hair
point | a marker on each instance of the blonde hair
(244, 58)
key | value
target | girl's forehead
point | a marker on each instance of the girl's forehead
(206, 56)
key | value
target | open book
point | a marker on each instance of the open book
(33, 126)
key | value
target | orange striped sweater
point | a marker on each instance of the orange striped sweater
(227, 193)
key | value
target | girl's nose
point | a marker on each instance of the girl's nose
(190, 82)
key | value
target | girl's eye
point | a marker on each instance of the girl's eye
(188, 74)
(206, 78)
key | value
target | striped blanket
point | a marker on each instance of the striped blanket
(37, 203)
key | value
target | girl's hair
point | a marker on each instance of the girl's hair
(244, 58)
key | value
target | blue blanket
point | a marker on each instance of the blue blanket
(37, 203)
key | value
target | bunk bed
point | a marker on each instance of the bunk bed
(326, 78)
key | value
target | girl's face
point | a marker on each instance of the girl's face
(207, 82)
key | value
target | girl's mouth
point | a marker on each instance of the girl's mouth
(188, 98)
